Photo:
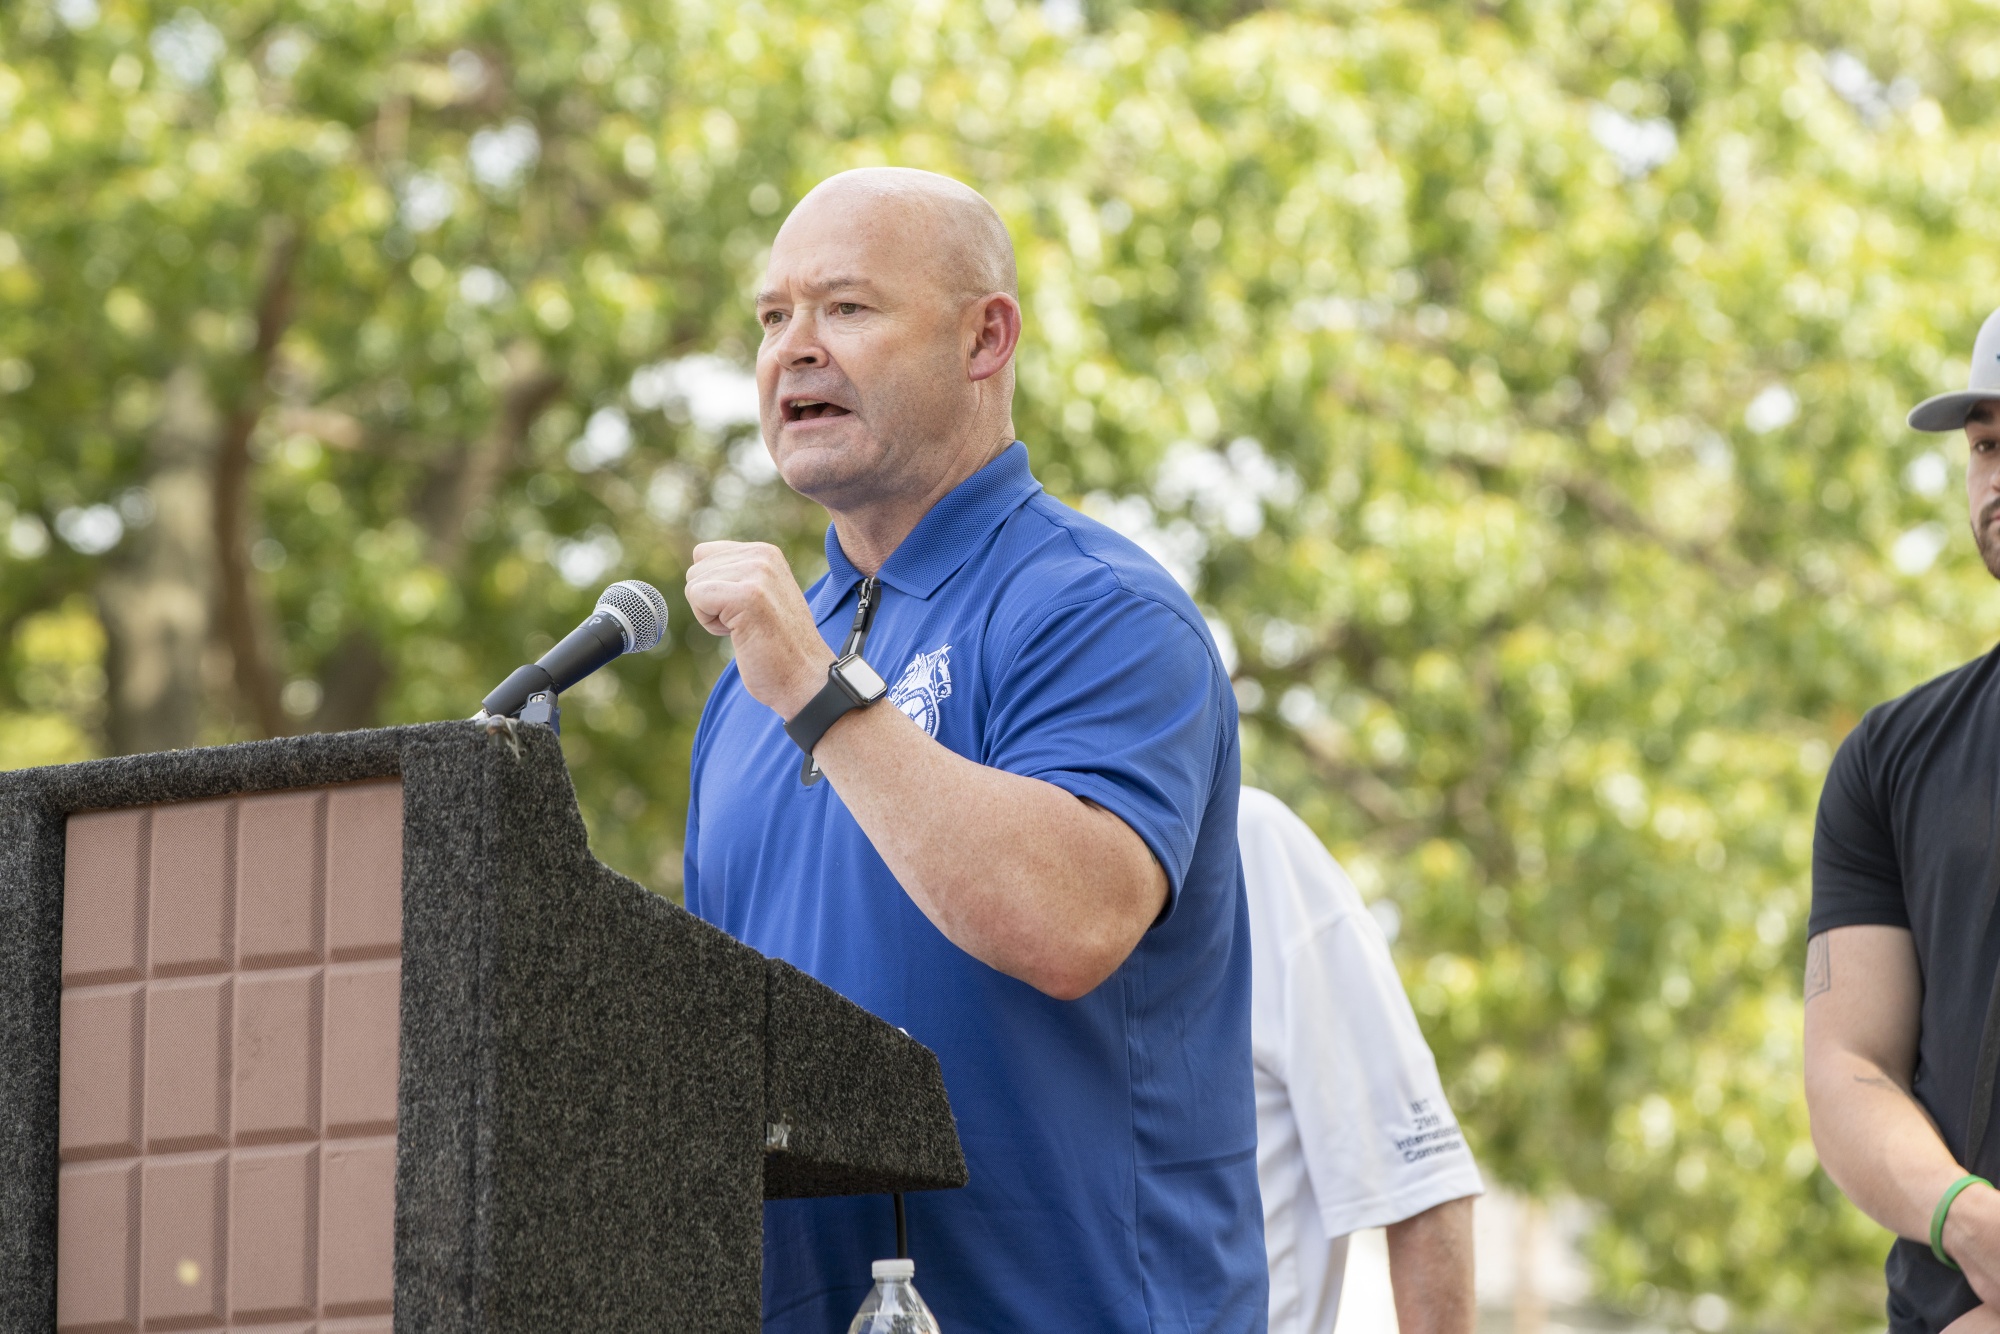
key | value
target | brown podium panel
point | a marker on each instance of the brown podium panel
(227, 1129)
(350, 1034)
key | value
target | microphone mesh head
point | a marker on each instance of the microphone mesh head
(639, 605)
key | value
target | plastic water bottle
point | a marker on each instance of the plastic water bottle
(894, 1307)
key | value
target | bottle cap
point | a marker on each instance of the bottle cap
(891, 1270)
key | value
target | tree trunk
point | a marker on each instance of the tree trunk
(476, 471)
(357, 673)
(155, 597)
(244, 618)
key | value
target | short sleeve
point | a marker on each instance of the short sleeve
(1118, 700)
(1857, 878)
(1378, 1138)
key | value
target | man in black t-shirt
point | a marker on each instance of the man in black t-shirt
(1903, 948)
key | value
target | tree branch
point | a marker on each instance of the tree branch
(359, 671)
(1374, 798)
(1608, 507)
(476, 471)
(242, 622)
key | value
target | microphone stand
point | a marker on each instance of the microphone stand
(629, 618)
(542, 707)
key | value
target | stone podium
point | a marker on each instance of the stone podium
(352, 1034)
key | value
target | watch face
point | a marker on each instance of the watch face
(861, 680)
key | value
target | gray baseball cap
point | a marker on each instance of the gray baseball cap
(1947, 412)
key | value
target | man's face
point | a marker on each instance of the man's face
(860, 374)
(1982, 480)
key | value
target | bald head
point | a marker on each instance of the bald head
(886, 371)
(942, 224)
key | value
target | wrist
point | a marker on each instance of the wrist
(1972, 1216)
(806, 682)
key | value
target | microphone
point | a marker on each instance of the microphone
(630, 617)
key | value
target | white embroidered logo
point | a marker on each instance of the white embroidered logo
(925, 684)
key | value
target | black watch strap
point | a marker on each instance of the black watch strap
(835, 699)
(833, 702)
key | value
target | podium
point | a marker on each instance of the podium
(351, 1034)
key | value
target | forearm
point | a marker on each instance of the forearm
(1863, 997)
(1877, 1142)
(1020, 874)
(1431, 1270)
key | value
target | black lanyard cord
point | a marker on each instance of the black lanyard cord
(864, 616)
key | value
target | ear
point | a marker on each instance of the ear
(992, 331)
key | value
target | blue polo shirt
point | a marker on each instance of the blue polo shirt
(1112, 1139)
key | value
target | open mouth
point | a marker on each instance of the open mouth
(812, 409)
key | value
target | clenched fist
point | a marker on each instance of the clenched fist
(746, 590)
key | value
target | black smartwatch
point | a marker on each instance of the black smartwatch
(850, 684)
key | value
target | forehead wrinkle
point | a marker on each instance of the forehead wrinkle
(817, 287)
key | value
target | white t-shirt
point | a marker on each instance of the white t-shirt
(1352, 1126)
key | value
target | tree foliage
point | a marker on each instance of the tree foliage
(1517, 386)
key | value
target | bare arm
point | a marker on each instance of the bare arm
(1040, 884)
(1863, 997)
(1025, 877)
(1430, 1268)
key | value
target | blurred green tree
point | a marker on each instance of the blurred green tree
(1517, 386)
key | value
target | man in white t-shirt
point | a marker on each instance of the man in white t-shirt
(1353, 1130)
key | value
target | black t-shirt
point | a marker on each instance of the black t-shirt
(1905, 838)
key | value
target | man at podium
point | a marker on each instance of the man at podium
(982, 779)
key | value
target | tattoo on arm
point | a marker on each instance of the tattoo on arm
(1888, 1085)
(1819, 966)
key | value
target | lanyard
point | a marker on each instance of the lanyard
(857, 638)
(864, 616)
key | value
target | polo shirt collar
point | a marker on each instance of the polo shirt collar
(943, 539)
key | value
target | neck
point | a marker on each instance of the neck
(870, 532)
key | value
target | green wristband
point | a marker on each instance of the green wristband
(1944, 1207)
